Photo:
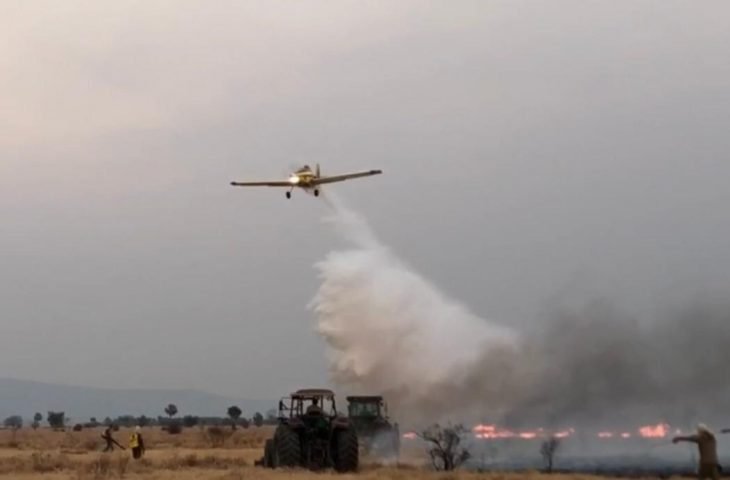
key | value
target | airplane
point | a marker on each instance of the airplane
(307, 179)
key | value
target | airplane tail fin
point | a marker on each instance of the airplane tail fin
(318, 174)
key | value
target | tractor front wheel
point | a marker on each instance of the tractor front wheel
(287, 449)
(269, 454)
(346, 455)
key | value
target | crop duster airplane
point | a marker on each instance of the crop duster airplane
(307, 179)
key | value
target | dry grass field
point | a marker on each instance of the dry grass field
(34, 454)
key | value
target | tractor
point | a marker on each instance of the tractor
(369, 415)
(311, 434)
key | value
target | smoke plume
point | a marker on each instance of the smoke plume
(392, 332)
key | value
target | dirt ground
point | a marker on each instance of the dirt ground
(34, 454)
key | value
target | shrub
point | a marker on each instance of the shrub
(90, 444)
(189, 421)
(174, 428)
(15, 422)
(101, 467)
(122, 465)
(44, 462)
(217, 436)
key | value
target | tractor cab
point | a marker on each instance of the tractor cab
(313, 409)
(308, 402)
(369, 416)
(366, 407)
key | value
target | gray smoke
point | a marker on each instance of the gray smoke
(599, 366)
(391, 332)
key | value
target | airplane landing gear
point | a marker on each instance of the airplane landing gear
(288, 194)
(316, 192)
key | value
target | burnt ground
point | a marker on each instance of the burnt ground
(624, 466)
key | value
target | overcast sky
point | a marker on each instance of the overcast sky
(535, 153)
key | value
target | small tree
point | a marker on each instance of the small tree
(37, 419)
(57, 420)
(258, 419)
(171, 410)
(548, 449)
(143, 421)
(234, 413)
(271, 417)
(446, 449)
(108, 422)
(15, 422)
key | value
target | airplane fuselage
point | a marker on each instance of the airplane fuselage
(305, 179)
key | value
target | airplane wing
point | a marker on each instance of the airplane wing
(347, 176)
(262, 184)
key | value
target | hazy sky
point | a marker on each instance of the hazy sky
(535, 153)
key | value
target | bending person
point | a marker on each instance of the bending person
(707, 446)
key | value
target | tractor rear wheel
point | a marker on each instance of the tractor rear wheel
(287, 449)
(346, 453)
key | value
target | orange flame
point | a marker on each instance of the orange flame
(565, 433)
(491, 431)
(659, 430)
(485, 432)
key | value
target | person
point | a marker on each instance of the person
(314, 408)
(110, 442)
(136, 443)
(707, 446)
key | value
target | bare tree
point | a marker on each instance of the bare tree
(548, 449)
(445, 446)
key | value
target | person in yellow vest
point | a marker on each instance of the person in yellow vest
(136, 443)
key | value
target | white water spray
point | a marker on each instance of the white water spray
(390, 331)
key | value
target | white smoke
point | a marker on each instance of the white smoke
(389, 330)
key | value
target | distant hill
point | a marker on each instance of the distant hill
(21, 397)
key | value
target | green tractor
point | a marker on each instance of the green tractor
(311, 434)
(369, 415)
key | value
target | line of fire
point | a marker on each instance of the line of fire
(491, 432)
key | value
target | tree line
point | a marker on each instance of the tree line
(57, 420)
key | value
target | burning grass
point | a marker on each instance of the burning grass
(487, 432)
